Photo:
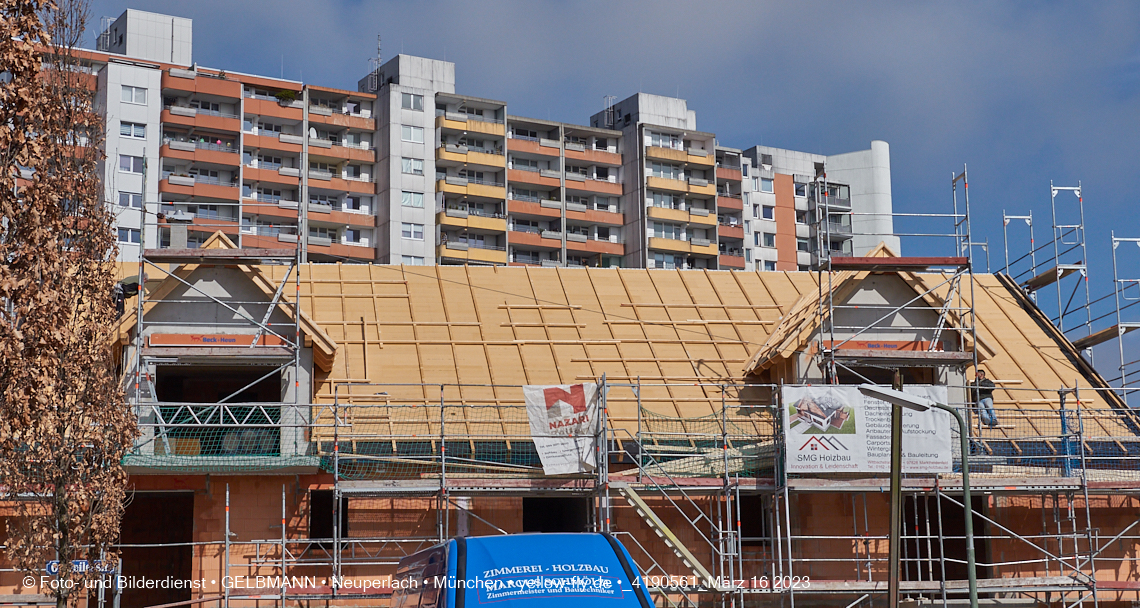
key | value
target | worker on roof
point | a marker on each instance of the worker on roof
(983, 393)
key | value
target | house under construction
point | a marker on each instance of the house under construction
(314, 423)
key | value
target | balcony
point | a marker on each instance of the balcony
(703, 247)
(471, 252)
(731, 259)
(524, 176)
(667, 184)
(322, 115)
(672, 245)
(463, 155)
(732, 174)
(540, 208)
(463, 186)
(198, 187)
(201, 152)
(341, 151)
(595, 186)
(726, 201)
(470, 124)
(596, 157)
(731, 231)
(460, 218)
(669, 215)
(699, 157)
(535, 146)
(584, 244)
(703, 217)
(200, 119)
(530, 236)
(701, 187)
(175, 79)
(264, 173)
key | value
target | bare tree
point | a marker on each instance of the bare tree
(64, 427)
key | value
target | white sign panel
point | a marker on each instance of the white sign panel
(831, 429)
(564, 423)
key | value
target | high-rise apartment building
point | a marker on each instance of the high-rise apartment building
(406, 170)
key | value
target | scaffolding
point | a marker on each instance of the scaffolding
(1068, 244)
(687, 483)
(1126, 292)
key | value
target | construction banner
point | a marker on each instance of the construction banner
(564, 425)
(832, 429)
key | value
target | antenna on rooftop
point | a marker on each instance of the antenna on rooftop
(374, 73)
(608, 101)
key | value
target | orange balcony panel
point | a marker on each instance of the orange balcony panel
(211, 191)
(731, 232)
(729, 174)
(202, 121)
(347, 185)
(667, 154)
(258, 241)
(730, 203)
(532, 239)
(593, 246)
(270, 176)
(204, 85)
(664, 183)
(345, 153)
(263, 142)
(529, 208)
(599, 157)
(531, 177)
(597, 217)
(344, 120)
(210, 225)
(731, 261)
(532, 147)
(356, 252)
(264, 107)
(250, 206)
(201, 155)
(345, 219)
(595, 186)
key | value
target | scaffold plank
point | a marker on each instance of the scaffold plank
(217, 256)
(896, 264)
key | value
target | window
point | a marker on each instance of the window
(470, 111)
(413, 134)
(769, 212)
(661, 260)
(411, 101)
(134, 95)
(412, 199)
(668, 231)
(412, 260)
(667, 201)
(412, 231)
(804, 268)
(666, 170)
(265, 128)
(769, 265)
(803, 245)
(322, 232)
(209, 106)
(665, 140)
(413, 166)
(206, 211)
(130, 199)
(524, 133)
(802, 217)
(130, 164)
(133, 130)
(766, 185)
(525, 164)
(801, 189)
(128, 235)
(767, 239)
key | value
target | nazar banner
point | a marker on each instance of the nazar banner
(832, 428)
(564, 424)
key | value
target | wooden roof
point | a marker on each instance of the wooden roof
(492, 328)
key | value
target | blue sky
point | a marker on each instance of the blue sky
(1022, 92)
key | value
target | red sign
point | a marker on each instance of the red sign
(212, 340)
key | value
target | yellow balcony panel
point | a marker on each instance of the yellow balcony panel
(708, 190)
(671, 185)
(443, 186)
(668, 154)
(705, 220)
(491, 256)
(486, 160)
(492, 224)
(671, 215)
(461, 156)
(442, 154)
(442, 122)
(487, 128)
(709, 250)
(664, 244)
(487, 191)
(695, 159)
(443, 219)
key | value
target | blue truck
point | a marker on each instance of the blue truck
(521, 571)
